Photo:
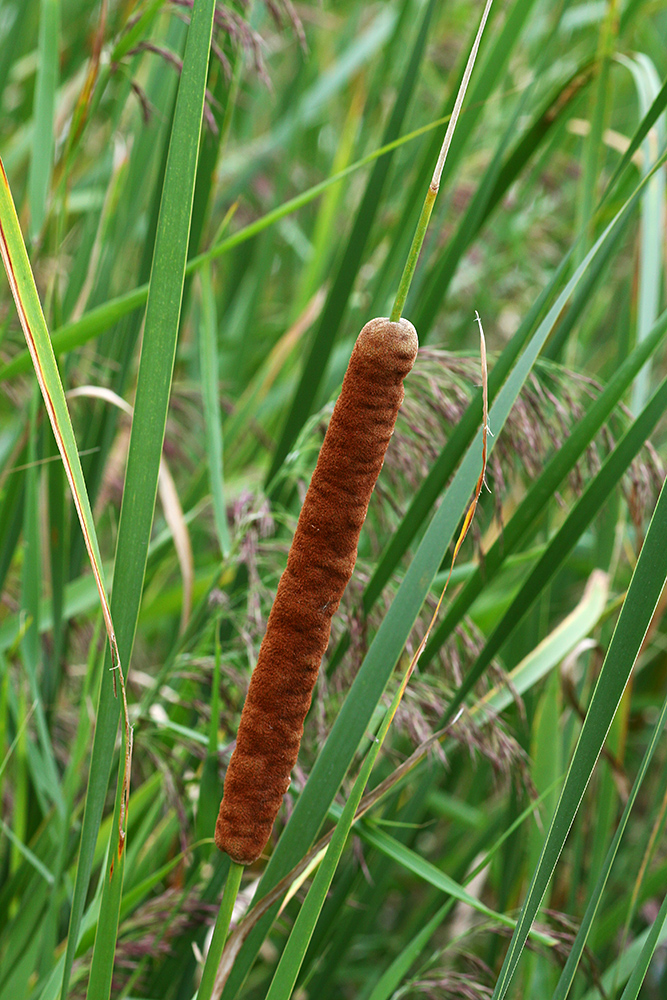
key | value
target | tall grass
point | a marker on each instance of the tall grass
(209, 227)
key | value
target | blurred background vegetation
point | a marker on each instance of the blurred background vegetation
(321, 127)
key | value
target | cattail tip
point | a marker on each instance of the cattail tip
(381, 338)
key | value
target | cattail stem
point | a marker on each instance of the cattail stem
(220, 931)
(434, 187)
(413, 255)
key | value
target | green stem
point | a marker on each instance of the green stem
(413, 255)
(220, 933)
(432, 193)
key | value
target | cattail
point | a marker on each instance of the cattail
(319, 566)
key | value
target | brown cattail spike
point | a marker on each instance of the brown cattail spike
(319, 565)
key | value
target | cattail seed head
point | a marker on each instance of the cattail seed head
(319, 566)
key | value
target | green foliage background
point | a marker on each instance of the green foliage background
(524, 777)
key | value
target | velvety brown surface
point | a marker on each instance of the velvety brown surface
(319, 565)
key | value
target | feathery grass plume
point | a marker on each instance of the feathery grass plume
(319, 566)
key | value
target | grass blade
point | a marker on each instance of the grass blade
(645, 126)
(430, 873)
(22, 284)
(650, 264)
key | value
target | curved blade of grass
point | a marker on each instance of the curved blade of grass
(334, 309)
(645, 588)
(150, 411)
(22, 284)
(550, 651)
(17, 266)
(353, 720)
(565, 539)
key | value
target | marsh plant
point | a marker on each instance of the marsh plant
(202, 206)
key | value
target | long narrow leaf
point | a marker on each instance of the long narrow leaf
(22, 284)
